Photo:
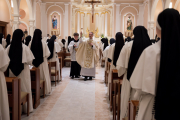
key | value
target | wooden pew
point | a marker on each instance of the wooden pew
(67, 59)
(61, 54)
(14, 97)
(107, 72)
(117, 99)
(133, 109)
(114, 76)
(60, 66)
(36, 85)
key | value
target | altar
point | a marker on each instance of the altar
(55, 32)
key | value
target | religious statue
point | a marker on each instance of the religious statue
(129, 23)
(54, 22)
(96, 33)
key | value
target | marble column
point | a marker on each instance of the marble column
(66, 20)
(43, 20)
(151, 29)
(88, 20)
(106, 24)
(78, 23)
(15, 22)
(100, 25)
(141, 15)
(118, 21)
(97, 20)
(102, 19)
(31, 27)
(113, 19)
(85, 23)
(82, 21)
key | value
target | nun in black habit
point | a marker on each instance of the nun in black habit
(54, 48)
(41, 52)
(20, 58)
(27, 40)
(114, 52)
(8, 40)
(156, 76)
(126, 63)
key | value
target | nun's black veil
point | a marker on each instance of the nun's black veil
(8, 40)
(141, 41)
(118, 46)
(69, 40)
(63, 41)
(51, 46)
(15, 53)
(1, 37)
(112, 40)
(167, 98)
(28, 39)
(37, 48)
(105, 43)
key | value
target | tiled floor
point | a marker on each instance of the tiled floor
(75, 99)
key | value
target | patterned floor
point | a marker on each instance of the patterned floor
(75, 99)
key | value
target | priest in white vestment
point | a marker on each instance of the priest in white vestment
(87, 56)
(75, 67)
(54, 48)
(20, 58)
(126, 63)
(4, 105)
(156, 76)
(41, 52)
(113, 54)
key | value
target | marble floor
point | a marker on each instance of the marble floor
(75, 99)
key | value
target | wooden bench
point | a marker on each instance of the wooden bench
(54, 72)
(60, 66)
(117, 99)
(67, 59)
(133, 109)
(61, 54)
(14, 97)
(107, 72)
(36, 85)
(114, 75)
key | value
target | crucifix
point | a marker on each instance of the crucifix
(92, 3)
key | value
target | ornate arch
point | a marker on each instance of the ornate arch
(25, 24)
(29, 8)
(129, 6)
(55, 5)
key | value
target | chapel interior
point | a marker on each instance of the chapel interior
(76, 99)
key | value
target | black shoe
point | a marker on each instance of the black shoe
(85, 78)
(72, 77)
(90, 78)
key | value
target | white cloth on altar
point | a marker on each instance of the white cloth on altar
(122, 67)
(4, 104)
(72, 49)
(55, 58)
(111, 56)
(145, 78)
(44, 69)
(27, 58)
